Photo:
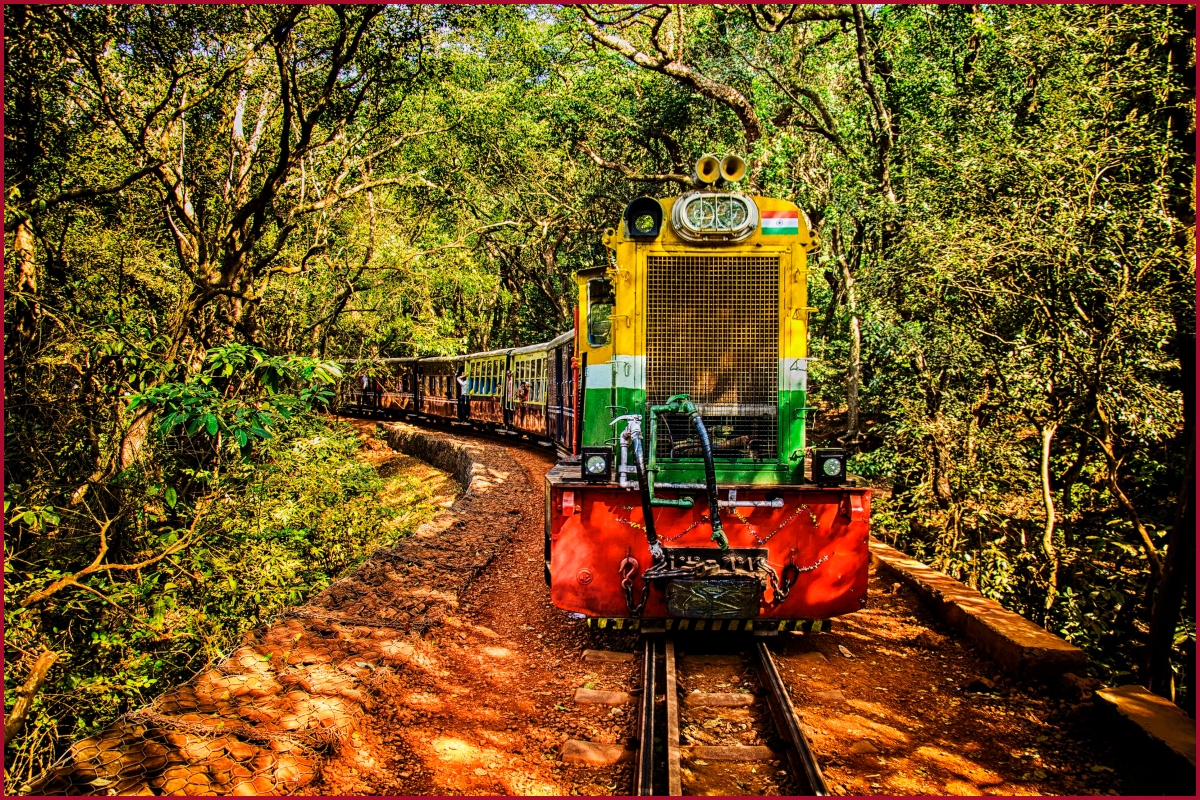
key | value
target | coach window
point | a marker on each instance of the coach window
(600, 308)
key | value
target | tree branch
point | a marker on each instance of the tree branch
(660, 177)
(15, 719)
(98, 564)
(683, 73)
(88, 192)
(883, 120)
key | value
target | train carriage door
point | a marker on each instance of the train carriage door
(507, 381)
(568, 366)
(459, 387)
(559, 419)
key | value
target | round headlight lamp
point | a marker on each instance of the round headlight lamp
(714, 216)
(596, 465)
(829, 466)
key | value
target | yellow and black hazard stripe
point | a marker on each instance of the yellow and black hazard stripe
(672, 624)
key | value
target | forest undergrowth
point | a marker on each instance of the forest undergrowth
(266, 534)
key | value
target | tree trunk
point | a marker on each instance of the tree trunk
(940, 473)
(135, 437)
(1069, 479)
(849, 262)
(882, 135)
(1047, 431)
(1113, 464)
(854, 368)
(1178, 567)
(15, 720)
(27, 283)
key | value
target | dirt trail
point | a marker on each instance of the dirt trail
(910, 712)
(485, 704)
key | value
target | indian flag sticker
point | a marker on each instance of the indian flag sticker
(781, 223)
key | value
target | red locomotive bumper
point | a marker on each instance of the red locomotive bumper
(815, 543)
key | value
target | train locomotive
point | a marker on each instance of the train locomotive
(684, 497)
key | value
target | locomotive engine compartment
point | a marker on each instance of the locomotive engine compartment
(686, 501)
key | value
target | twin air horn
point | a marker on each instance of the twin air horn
(709, 170)
(699, 216)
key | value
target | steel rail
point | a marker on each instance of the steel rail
(644, 773)
(674, 780)
(804, 763)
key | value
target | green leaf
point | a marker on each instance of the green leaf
(210, 422)
(170, 496)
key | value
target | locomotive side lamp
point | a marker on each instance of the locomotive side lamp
(643, 218)
(596, 464)
(829, 467)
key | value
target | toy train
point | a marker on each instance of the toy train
(528, 390)
(684, 496)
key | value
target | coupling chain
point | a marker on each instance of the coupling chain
(627, 570)
(782, 525)
(704, 520)
(685, 531)
(781, 587)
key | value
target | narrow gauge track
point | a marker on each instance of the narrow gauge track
(661, 771)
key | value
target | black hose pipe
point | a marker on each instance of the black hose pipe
(639, 458)
(710, 481)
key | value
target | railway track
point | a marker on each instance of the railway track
(745, 738)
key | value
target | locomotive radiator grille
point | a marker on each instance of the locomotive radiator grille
(712, 332)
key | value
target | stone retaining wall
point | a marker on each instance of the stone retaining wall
(1158, 738)
(1019, 647)
(263, 720)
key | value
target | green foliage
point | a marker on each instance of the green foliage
(238, 393)
(281, 528)
(1004, 195)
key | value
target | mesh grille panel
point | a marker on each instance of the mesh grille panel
(712, 333)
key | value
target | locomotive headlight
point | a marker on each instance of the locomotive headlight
(597, 464)
(719, 216)
(829, 467)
